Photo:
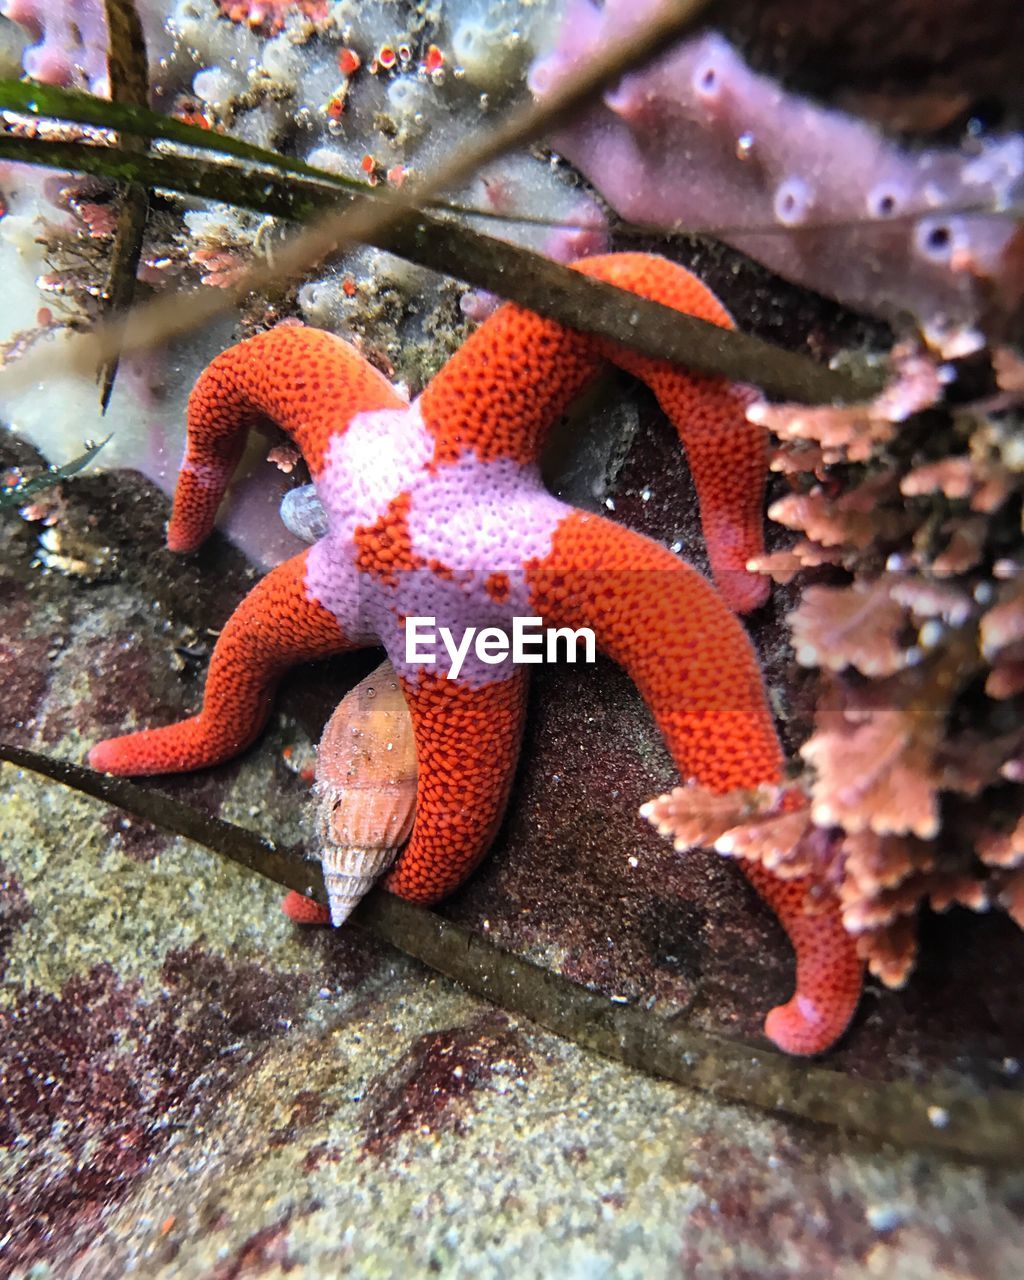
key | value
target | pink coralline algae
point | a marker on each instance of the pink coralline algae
(915, 753)
(698, 140)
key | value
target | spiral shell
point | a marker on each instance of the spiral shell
(365, 788)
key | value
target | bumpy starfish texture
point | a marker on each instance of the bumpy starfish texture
(436, 509)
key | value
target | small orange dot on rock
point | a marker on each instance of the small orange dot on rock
(349, 62)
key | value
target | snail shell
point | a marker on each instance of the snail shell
(365, 788)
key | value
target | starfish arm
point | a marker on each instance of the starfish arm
(506, 386)
(728, 455)
(275, 626)
(467, 744)
(307, 381)
(829, 973)
(697, 671)
(683, 648)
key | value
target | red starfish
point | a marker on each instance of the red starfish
(436, 509)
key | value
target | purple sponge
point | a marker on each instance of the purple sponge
(71, 38)
(699, 141)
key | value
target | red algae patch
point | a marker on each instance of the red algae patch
(434, 1082)
(97, 1077)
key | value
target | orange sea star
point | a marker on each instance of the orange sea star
(436, 509)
